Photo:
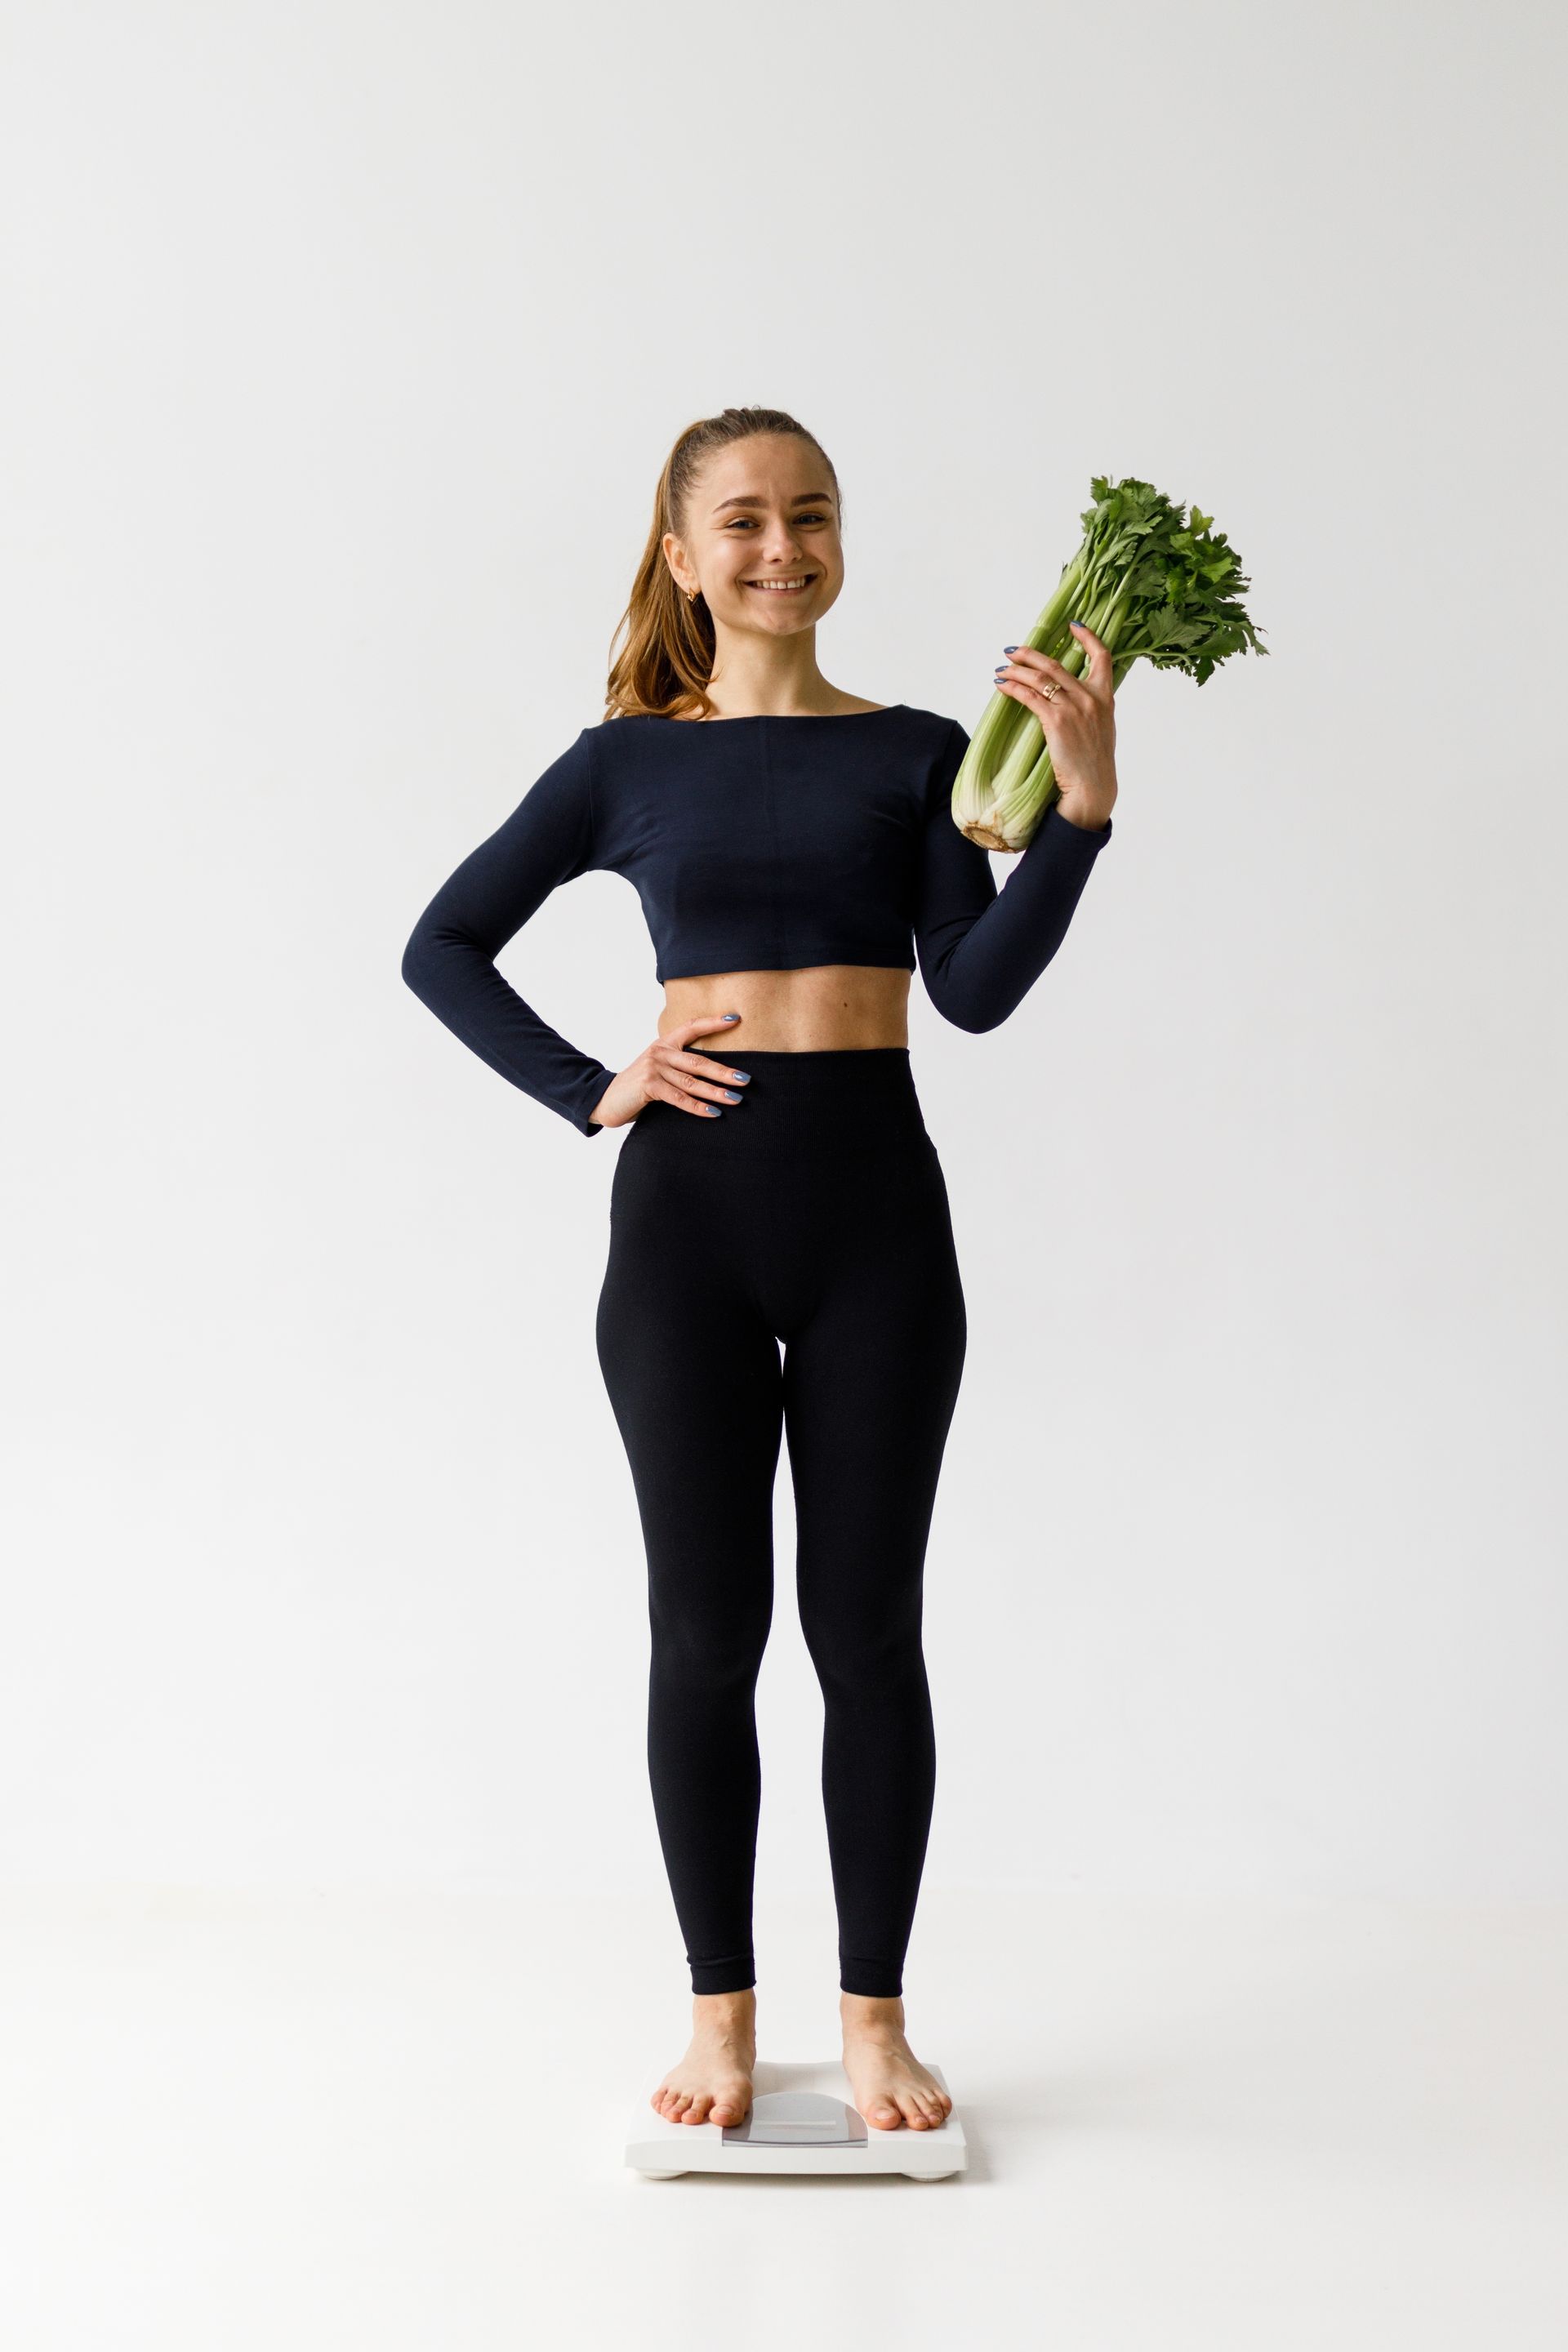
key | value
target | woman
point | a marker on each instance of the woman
(791, 865)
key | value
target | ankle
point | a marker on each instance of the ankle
(865, 2013)
(725, 2012)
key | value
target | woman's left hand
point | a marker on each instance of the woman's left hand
(1080, 723)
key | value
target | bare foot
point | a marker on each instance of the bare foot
(891, 2086)
(712, 2084)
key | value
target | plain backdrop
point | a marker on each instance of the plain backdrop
(346, 344)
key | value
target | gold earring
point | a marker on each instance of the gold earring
(691, 595)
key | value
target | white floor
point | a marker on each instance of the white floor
(333, 2122)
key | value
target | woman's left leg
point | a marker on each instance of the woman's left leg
(870, 1379)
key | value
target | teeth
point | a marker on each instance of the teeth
(779, 587)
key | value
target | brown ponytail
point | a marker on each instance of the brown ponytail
(667, 659)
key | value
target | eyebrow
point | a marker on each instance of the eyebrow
(816, 497)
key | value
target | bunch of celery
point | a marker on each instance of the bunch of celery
(1155, 588)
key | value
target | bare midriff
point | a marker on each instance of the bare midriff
(826, 1008)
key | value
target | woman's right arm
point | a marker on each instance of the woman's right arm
(449, 960)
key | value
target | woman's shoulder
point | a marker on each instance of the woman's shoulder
(937, 723)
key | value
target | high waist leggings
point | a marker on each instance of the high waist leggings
(815, 1215)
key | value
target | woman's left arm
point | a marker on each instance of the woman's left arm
(981, 951)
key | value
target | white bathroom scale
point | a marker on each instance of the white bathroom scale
(803, 2118)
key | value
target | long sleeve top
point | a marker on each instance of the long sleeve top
(761, 844)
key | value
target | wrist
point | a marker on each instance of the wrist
(1087, 801)
(1086, 820)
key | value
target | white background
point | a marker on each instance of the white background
(351, 347)
(346, 346)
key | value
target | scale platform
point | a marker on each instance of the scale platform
(803, 2118)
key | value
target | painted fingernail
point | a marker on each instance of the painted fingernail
(1009, 650)
(742, 1077)
(729, 1095)
(712, 1110)
(731, 1016)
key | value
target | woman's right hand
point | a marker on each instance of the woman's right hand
(666, 1071)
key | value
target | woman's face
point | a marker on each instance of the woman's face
(762, 508)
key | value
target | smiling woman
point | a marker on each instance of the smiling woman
(746, 518)
(795, 865)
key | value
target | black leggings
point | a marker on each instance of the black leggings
(815, 1213)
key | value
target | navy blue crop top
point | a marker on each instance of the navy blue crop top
(755, 844)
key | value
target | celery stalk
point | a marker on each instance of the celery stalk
(1155, 587)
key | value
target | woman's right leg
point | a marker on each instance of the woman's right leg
(694, 1376)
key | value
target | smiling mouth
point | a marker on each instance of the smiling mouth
(781, 587)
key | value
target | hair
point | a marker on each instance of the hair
(668, 659)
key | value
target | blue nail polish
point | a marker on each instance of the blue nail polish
(743, 1075)
(729, 1095)
(1009, 650)
(712, 1110)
